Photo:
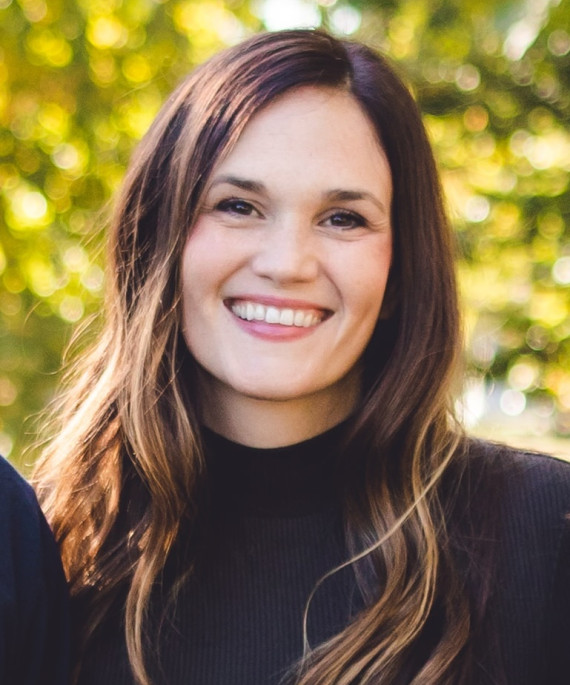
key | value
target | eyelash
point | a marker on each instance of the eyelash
(231, 206)
(356, 220)
(238, 207)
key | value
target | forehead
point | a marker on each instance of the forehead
(314, 132)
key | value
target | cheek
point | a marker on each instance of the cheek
(196, 255)
(190, 280)
(209, 260)
(200, 262)
(365, 279)
(212, 253)
(196, 268)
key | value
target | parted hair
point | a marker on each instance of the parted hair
(124, 468)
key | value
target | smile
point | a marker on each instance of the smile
(286, 316)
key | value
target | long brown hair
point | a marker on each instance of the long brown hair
(126, 468)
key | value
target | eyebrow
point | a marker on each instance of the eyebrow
(339, 194)
(242, 183)
(347, 195)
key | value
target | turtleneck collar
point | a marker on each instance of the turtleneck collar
(294, 480)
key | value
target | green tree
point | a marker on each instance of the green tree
(81, 81)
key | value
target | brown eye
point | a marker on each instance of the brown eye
(236, 206)
(345, 220)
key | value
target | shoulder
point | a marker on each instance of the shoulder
(29, 559)
(520, 502)
(26, 542)
(9, 476)
(529, 482)
(528, 496)
(18, 504)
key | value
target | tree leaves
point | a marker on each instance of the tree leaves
(81, 81)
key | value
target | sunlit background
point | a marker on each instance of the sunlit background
(80, 82)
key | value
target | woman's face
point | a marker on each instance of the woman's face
(285, 269)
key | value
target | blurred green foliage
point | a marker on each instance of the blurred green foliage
(81, 81)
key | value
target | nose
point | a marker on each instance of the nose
(287, 252)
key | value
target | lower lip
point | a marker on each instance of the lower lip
(274, 331)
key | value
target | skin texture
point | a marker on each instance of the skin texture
(296, 217)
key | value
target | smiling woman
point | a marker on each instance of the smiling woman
(257, 477)
(296, 252)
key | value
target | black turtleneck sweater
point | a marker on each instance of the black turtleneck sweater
(277, 530)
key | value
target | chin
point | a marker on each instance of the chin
(272, 393)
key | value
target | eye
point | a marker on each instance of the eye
(234, 205)
(345, 220)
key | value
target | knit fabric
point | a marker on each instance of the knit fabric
(277, 530)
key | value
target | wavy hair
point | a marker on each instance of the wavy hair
(125, 469)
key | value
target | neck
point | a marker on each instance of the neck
(267, 423)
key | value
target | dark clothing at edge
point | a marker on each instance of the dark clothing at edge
(34, 607)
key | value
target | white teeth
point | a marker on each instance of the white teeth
(286, 318)
(299, 318)
(250, 311)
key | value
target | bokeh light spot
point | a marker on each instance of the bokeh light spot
(476, 118)
(467, 77)
(561, 271)
(278, 15)
(27, 209)
(345, 20)
(537, 337)
(35, 10)
(8, 392)
(559, 43)
(66, 156)
(49, 47)
(137, 69)
(75, 258)
(512, 402)
(523, 375)
(93, 278)
(71, 308)
(41, 277)
(477, 209)
(107, 32)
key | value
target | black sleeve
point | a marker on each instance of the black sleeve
(558, 617)
(34, 609)
(533, 597)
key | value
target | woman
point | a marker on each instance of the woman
(257, 477)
